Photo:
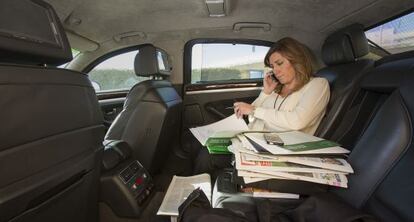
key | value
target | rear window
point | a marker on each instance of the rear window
(394, 36)
(214, 62)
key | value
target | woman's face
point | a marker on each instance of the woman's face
(282, 68)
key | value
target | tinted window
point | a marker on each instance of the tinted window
(115, 73)
(226, 61)
(394, 36)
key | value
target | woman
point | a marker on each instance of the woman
(291, 100)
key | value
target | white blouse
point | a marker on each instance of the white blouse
(302, 110)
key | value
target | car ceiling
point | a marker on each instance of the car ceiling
(93, 25)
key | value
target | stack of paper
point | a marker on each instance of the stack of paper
(217, 136)
(178, 191)
(303, 157)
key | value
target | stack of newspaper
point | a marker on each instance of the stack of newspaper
(302, 157)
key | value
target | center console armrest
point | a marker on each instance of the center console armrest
(125, 183)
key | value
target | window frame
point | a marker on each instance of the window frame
(382, 22)
(109, 55)
(188, 56)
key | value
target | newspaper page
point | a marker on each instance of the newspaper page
(246, 173)
(225, 128)
(180, 188)
(296, 138)
(278, 166)
(332, 179)
(259, 192)
(335, 164)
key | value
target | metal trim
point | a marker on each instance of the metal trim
(222, 90)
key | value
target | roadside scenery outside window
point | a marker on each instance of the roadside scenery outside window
(226, 61)
(395, 36)
(115, 73)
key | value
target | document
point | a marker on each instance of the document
(335, 164)
(180, 188)
(296, 143)
(242, 163)
(332, 179)
(258, 192)
(225, 128)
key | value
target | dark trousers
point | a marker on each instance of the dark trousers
(211, 163)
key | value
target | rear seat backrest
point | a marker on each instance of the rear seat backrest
(51, 124)
(383, 159)
(340, 52)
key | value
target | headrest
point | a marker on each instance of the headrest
(31, 33)
(152, 61)
(345, 45)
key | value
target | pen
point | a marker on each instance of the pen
(229, 107)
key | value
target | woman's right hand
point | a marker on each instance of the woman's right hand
(269, 85)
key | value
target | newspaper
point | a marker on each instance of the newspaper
(306, 144)
(332, 179)
(225, 128)
(243, 164)
(335, 164)
(179, 189)
(258, 192)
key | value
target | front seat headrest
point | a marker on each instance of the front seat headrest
(152, 61)
(33, 35)
(345, 45)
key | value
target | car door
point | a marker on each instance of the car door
(219, 73)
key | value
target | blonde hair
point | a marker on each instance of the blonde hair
(299, 55)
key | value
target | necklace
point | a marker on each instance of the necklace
(280, 105)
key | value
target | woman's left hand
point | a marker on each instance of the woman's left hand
(241, 108)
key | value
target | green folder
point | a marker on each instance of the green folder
(218, 145)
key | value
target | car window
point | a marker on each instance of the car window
(226, 61)
(394, 36)
(115, 73)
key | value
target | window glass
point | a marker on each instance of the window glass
(115, 73)
(395, 36)
(226, 61)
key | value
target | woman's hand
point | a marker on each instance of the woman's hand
(269, 85)
(241, 108)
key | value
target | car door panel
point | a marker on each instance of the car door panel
(110, 109)
(210, 103)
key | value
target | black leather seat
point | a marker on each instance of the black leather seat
(51, 125)
(383, 158)
(151, 117)
(342, 52)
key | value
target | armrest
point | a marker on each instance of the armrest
(115, 152)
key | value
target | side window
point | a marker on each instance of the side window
(394, 36)
(226, 61)
(115, 73)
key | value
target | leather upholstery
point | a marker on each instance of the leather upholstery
(343, 72)
(32, 34)
(345, 45)
(383, 158)
(51, 134)
(151, 61)
(150, 117)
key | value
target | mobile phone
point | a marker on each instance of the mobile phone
(273, 139)
(273, 76)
